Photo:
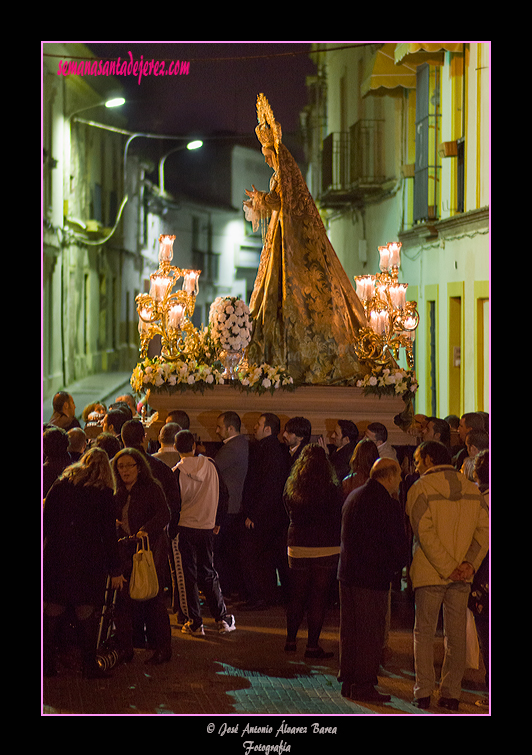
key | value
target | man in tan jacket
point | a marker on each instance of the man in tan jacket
(450, 525)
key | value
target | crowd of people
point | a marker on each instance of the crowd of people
(277, 517)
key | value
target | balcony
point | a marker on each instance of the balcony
(353, 165)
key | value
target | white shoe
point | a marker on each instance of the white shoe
(226, 625)
(187, 629)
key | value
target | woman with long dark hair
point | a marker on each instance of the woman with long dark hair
(313, 499)
(80, 551)
(141, 510)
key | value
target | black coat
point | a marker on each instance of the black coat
(148, 511)
(262, 499)
(316, 522)
(340, 459)
(81, 546)
(374, 545)
(166, 477)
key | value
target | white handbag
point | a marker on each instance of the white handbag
(143, 583)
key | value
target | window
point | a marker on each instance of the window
(427, 170)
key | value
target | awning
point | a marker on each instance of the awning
(382, 76)
(417, 53)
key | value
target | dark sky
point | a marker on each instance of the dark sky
(220, 90)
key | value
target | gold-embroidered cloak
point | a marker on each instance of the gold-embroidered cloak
(306, 312)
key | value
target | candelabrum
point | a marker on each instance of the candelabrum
(392, 320)
(165, 312)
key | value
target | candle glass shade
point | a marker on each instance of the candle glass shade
(365, 287)
(166, 251)
(398, 295)
(191, 281)
(394, 249)
(379, 321)
(176, 316)
(144, 314)
(384, 263)
(160, 286)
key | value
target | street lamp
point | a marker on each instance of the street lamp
(113, 102)
(192, 145)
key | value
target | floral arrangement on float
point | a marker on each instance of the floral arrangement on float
(384, 381)
(213, 355)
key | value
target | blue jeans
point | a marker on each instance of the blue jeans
(428, 601)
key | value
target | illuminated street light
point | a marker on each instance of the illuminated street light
(115, 102)
(194, 144)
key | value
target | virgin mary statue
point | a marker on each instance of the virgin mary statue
(306, 312)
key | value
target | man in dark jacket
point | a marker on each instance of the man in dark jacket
(232, 462)
(373, 549)
(64, 415)
(266, 520)
(345, 438)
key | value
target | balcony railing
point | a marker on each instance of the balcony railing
(353, 162)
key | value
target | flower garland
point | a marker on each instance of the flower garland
(386, 382)
(264, 377)
(197, 376)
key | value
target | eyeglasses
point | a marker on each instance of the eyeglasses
(122, 467)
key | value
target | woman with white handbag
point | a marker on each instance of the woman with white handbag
(142, 515)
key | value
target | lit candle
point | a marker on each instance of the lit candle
(159, 287)
(370, 287)
(364, 287)
(379, 321)
(175, 316)
(190, 281)
(144, 326)
(394, 248)
(385, 258)
(398, 295)
(166, 251)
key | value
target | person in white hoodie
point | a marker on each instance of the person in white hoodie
(450, 525)
(203, 505)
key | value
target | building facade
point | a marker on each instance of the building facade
(397, 140)
(91, 265)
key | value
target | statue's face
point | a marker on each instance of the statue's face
(269, 156)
